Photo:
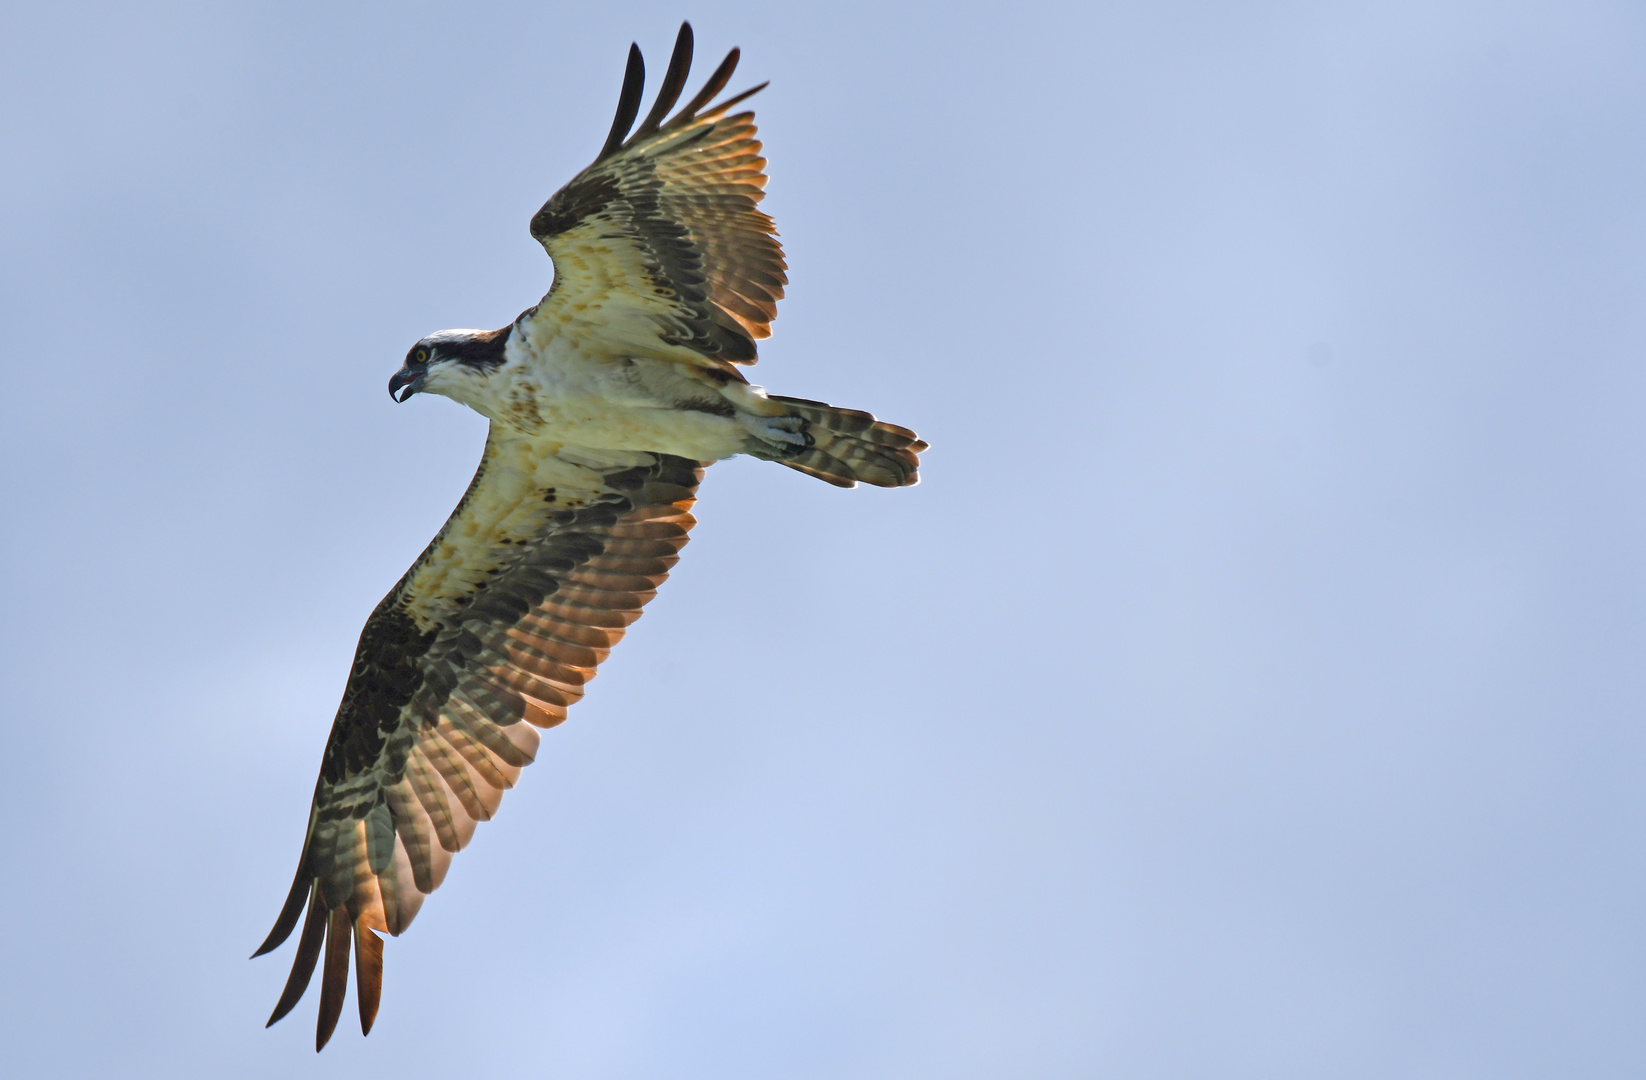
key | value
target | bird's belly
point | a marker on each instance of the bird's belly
(606, 425)
(616, 405)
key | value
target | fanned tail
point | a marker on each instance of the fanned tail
(845, 447)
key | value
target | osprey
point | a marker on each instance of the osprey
(606, 402)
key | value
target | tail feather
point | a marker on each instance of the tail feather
(846, 446)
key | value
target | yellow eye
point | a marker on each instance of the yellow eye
(422, 356)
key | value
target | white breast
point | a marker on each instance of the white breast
(582, 398)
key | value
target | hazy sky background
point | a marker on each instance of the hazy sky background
(1252, 688)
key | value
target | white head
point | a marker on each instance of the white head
(452, 363)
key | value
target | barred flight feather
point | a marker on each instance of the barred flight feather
(437, 720)
(479, 759)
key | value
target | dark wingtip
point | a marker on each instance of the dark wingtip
(368, 974)
(287, 919)
(628, 102)
(334, 977)
(302, 968)
(717, 82)
(749, 93)
(674, 81)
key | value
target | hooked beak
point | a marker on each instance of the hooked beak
(410, 379)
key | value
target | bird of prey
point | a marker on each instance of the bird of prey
(606, 402)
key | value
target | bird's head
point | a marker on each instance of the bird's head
(452, 363)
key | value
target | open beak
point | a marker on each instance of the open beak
(408, 379)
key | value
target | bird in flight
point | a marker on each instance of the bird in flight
(606, 402)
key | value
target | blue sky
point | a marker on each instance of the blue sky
(1252, 687)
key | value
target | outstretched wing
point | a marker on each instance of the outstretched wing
(659, 247)
(490, 635)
